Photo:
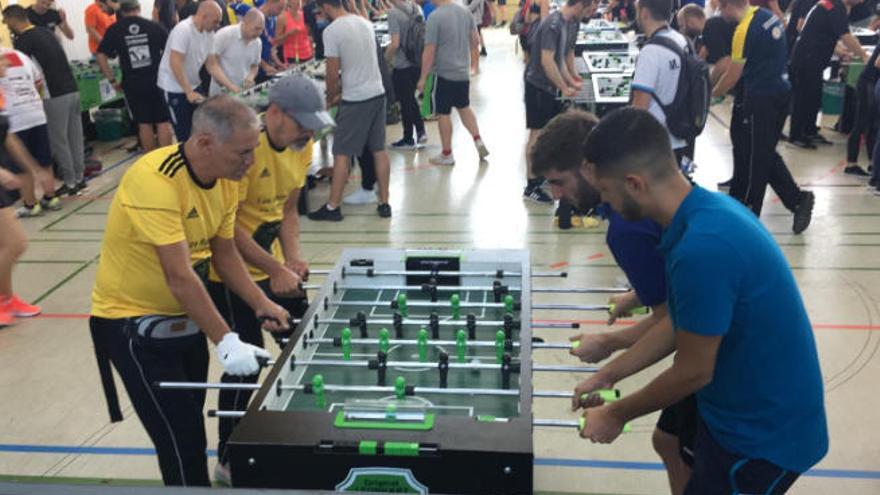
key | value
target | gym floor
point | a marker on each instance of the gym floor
(54, 421)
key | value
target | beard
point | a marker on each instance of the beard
(630, 210)
(588, 197)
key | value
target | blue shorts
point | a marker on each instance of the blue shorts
(716, 470)
(36, 140)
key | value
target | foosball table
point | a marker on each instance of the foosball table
(411, 372)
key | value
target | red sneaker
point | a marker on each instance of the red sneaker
(16, 307)
(6, 319)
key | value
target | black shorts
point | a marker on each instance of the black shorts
(541, 106)
(681, 420)
(36, 140)
(147, 105)
(449, 94)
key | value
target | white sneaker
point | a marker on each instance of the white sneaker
(422, 140)
(221, 475)
(25, 212)
(360, 197)
(481, 149)
(442, 159)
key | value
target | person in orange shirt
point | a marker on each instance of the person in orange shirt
(293, 34)
(98, 17)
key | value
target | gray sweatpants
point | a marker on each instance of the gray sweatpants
(66, 136)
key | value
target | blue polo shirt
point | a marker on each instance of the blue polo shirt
(727, 277)
(634, 247)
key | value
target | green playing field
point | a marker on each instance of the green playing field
(426, 376)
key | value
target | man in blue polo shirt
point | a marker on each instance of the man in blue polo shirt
(740, 331)
(758, 54)
(557, 154)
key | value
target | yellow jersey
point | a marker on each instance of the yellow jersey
(159, 202)
(262, 193)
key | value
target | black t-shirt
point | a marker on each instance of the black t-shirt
(825, 24)
(167, 9)
(51, 19)
(139, 44)
(862, 11)
(799, 10)
(42, 45)
(717, 38)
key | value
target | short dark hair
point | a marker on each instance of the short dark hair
(630, 140)
(16, 12)
(660, 10)
(559, 145)
(333, 3)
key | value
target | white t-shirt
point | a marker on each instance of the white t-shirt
(195, 46)
(236, 56)
(350, 38)
(657, 70)
(24, 107)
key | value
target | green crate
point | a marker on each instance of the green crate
(832, 97)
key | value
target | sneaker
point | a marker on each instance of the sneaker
(483, 52)
(403, 144)
(803, 212)
(726, 184)
(80, 187)
(52, 204)
(442, 159)
(802, 143)
(538, 195)
(6, 320)
(820, 139)
(856, 171)
(422, 140)
(18, 308)
(324, 214)
(360, 197)
(481, 149)
(65, 190)
(384, 210)
(876, 191)
(221, 475)
(29, 211)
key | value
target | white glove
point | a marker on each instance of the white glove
(239, 358)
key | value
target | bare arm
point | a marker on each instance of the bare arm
(640, 99)
(718, 70)
(64, 26)
(213, 66)
(548, 62)
(427, 63)
(392, 48)
(189, 290)
(331, 79)
(101, 59)
(773, 5)
(93, 34)
(176, 61)
(576, 78)
(545, 8)
(728, 79)
(853, 45)
(289, 235)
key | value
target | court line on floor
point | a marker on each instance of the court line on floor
(63, 281)
(539, 461)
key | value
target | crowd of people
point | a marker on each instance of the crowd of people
(202, 236)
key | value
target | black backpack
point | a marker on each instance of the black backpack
(687, 114)
(415, 37)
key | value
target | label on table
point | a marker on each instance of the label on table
(381, 480)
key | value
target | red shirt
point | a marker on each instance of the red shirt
(299, 45)
(98, 20)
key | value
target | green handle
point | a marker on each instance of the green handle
(423, 345)
(455, 302)
(383, 340)
(499, 345)
(346, 343)
(461, 345)
(400, 387)
(401, 305)
(318, 390)
(508, 304)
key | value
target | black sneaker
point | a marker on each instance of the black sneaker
(726, 184)
(483, 52)
(856, 171)
(536, 194)
(65, 190)
(324, 214)
(403, 144)
(803, 212)
(80, 187)
(819, 139)
(384, 210)
(802, 143)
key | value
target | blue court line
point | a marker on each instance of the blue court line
(539, 461)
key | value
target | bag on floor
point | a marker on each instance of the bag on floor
(687, 114)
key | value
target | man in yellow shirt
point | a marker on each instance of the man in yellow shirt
(172, 218)
(267, 226)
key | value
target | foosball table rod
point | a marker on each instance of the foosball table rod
(414, 342)
(476, 288)
(444, 323)
(425, 273)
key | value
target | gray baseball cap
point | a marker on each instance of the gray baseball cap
(299, 97)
